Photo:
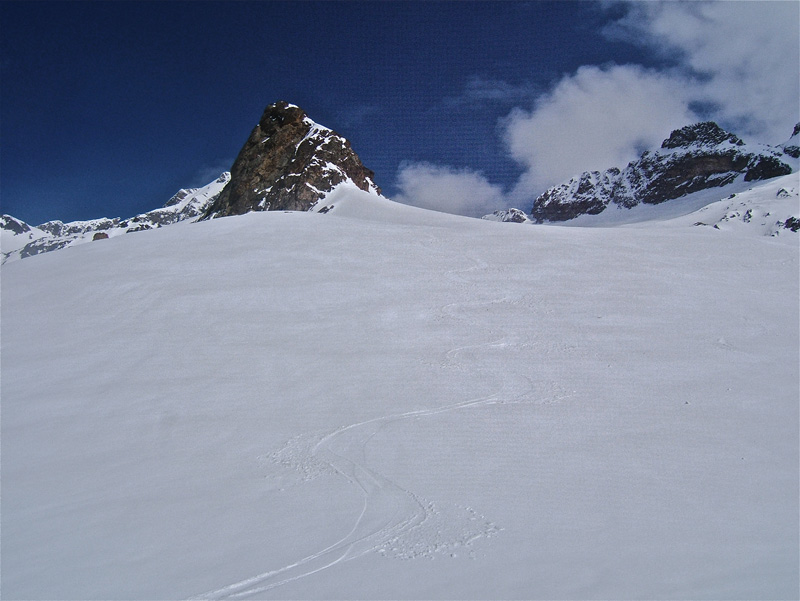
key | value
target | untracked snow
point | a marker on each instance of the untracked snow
(383, 402)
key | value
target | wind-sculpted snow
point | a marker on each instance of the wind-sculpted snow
(383, 402)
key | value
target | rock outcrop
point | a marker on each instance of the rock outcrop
(508, 216)
(693, 158)
(289, 162)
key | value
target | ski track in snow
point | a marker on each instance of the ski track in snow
(393, 521)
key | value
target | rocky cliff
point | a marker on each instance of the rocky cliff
(693, 158)
(289, 162)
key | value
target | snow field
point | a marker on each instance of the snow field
(384, 402)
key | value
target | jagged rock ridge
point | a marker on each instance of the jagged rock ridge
(693, 158)
(289, 162)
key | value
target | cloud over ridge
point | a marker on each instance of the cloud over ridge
(737, 63)
(449, 190)
(745, 55)
(600, 117)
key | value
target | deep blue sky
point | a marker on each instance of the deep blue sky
(107, 109)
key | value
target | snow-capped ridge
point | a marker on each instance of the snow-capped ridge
(289, 162)
(691, 159)
(508, 216)
(19, 240)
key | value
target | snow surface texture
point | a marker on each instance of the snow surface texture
(385, 402)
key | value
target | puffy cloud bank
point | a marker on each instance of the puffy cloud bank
(738, 60)
(592, 120)
(458, 191)
(745, 56)
(737, 63)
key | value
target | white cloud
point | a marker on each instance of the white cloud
(746, 54)
(449, 190)
(592, 120)
(737, 63)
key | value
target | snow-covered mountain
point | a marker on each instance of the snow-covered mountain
(385, 402)
(508, 216)
(694, 158)
(20, 240)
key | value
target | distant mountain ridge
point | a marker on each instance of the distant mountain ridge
(20, 240)
(694, 158)
(291, 163)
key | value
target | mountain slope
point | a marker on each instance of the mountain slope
(385, 402)
(692, 159)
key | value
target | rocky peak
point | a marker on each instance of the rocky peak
(693, 158)
(700, 134)
(13, 225)
(179, 196)
(508, 216)
(289, 162)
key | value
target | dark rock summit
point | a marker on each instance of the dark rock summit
(700, 134)
(13, 225)
(693, 158)
(289, 163)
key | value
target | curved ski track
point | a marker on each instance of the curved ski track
(389, 511)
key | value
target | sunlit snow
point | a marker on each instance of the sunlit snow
(386, 402)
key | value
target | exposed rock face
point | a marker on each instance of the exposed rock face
(792, 146)
(289, 163)
(693, 158)
(706, 134)
(21, 240)
(508, 216)
(13, 225)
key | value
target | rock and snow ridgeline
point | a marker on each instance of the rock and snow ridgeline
(20, 240)
(289, 162)
(694, 158)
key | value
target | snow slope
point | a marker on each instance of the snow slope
(385, 402)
